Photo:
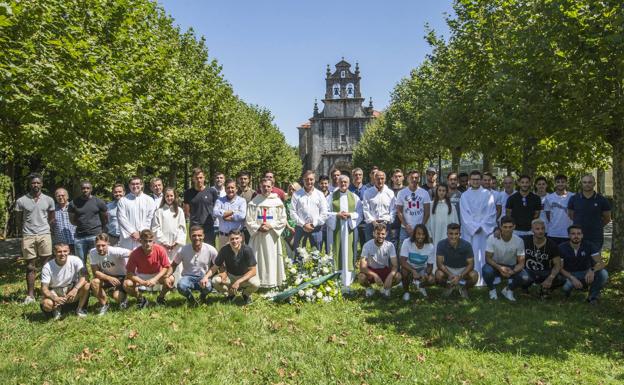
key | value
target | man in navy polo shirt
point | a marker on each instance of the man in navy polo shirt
(590, 210)
(582, 265)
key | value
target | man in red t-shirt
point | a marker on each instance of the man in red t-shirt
(148, 269)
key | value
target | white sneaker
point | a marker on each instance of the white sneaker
(423, 292)
(56, 314)
(369, 292)
(386, 293)
(493, 294)
(406, 296)
(28, 300)
(463, 292)
(508, 294)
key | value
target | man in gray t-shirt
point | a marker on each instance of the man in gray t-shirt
(196, 258)
(455, 261)
(35, 212)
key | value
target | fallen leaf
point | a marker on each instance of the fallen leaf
(237, 342)
(174, 326)
(281, 372)
(421, 357)
(293, 374)
(133, 334)
(397, 375)
(332, 338)
(132, 347)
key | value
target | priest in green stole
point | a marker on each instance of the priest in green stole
(343, 217)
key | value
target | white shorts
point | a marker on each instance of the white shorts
(456, 270)
(145, 277)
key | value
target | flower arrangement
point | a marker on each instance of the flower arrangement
(312, 274)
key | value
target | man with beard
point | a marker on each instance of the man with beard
(543, 261)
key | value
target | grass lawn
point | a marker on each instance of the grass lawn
(356, 341)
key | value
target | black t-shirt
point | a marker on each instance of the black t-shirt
(236, 264)
(539, 258)
(455, 257)
(201, 204)
(87, 215)
(523, 208)
(581, 260)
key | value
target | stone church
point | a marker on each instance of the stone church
(327, 140)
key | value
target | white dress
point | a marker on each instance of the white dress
(440, 220)
(169, 229)
(134, 214)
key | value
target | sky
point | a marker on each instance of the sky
(274, 53)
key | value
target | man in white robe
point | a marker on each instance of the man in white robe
(343, 217)
(478, 219)
(265, 220)
(134, 214)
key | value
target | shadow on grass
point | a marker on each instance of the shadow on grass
(551, 327)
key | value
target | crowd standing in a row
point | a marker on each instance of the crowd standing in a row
(456, 234)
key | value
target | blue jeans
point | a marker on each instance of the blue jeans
(490, 273)
(83, 246)
(600, 279)
(302, 237)
(189, 283)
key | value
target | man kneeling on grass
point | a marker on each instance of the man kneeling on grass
(378, 263)
(196, 259)
(64, 284)
(240, 269)
(504, 258)
(148, 269)
(455, 262)
(108, 264)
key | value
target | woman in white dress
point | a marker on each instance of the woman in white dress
(169, 226)
(442, 214)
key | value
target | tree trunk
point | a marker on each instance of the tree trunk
(455, 159)
(487, 164)
(616, 262)
(600, 180)
(528, 157)
(173, 175)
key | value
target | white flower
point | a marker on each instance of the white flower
(327, 299)
(309, 293)
(293, 270)
(314, 274)
(301, 293)
(319, 295)
(325, 270)
(217, 279)
(308, 299)
(298, 281)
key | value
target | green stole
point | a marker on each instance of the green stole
(336, 248)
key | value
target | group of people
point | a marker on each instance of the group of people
(456, 234)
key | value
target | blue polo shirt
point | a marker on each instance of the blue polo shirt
(588, 214)
(578, 261)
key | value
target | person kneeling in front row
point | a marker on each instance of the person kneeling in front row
(455, 261)
(148, 269)
(378, 263)
(582, 265)
(196, 259)
(240, 269)
(64, 284)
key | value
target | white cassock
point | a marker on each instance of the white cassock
(344, 258)
(168, 230)
(478, 221)
(134, 214)
(267, 246)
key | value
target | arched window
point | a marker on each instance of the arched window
(336, 91)
(350, 90)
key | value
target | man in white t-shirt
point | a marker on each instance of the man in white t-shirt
(556, 210)
(378, 263)
(64, 284)
(417, 259)
(108, 264)
(412, 206)
(196, 258)
(378, 204)
(504, 258)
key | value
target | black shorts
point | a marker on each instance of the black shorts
(108, 285)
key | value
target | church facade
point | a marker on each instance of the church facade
(327, 140)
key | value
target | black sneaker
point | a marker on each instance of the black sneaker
(592, 301)
(143, 302)
(230, 298)
(202, 297)
(544, 293)
(160, 301)
(247, 299)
